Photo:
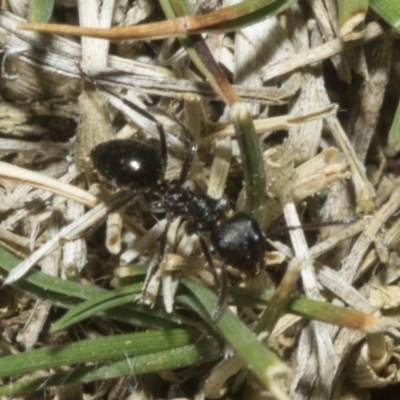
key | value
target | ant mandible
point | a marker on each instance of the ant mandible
(134, 166)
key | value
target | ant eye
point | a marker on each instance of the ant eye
(127, 163)
(240, 242)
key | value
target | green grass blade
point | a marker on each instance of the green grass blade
(394, 133)
(307, 308)
(68, 294)
(250, 12)
(195, 354)
(263, 363)
(388, 10)
(91, 350)
(252, 161)
(97, 305)
(40, 11)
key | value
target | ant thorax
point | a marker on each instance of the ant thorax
(203, 211)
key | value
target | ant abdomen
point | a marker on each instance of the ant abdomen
(127, 163)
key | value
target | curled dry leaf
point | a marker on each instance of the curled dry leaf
(386, 297)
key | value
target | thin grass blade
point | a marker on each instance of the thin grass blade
(40, 11)
(263, 363)
(195, 354)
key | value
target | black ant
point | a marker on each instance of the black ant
(133, 165)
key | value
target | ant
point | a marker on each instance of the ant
(132, 165)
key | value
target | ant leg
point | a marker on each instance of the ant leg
(220, 284)
(263, 263)
(163, 242)
(153, 265)
(163, 146)
(209, 259)
(222, 294)
(310, 226)
(187, 164)
(189, 158)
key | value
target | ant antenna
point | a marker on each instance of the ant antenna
(308, 227)
(193, 148)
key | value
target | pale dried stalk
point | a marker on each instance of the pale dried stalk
(72, 50)
(365, 193)
(220, 168)
(46, 147)
(392, 237)
(40, 181)
(304, 139)
(70, 232)
(318, 173)
(309, 280)
(95, 51)
(52, 186)
(94, 124)
(315, 175)
(113, 236)
(352, 263)
(342, 289)
(215, 385)
(262, 43)
(367, 372)
(19, 7)
(326, 14)
(143, 243)
(306, 366)
(143, 122)
(41, 196)
(365, 113)
(13, 239)
(51, 266)
(331, 242)
(74, 251)
(318, 53)
(169, 279)
(263, 125)
(144, 78)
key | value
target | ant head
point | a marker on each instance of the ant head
(127, 163)
(240, 242)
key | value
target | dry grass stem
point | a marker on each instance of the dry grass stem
(317, 54)
(74, 230)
